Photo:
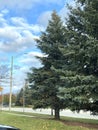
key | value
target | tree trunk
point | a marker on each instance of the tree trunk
(57, 114)
(51, 112)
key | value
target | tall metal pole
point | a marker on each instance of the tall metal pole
(11, 80)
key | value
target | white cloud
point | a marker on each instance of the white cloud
(17, 34)
(36, 54)
(64, 11)
(27, 4)
(9, 33)
(16, 3)
(44, 18)
(5, 11)
(30, 59)
(22, 24)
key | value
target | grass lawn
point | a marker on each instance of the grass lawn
(42, 122)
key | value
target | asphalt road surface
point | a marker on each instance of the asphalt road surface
(68, 113)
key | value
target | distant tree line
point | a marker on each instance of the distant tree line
(4, 98)
(24, 97)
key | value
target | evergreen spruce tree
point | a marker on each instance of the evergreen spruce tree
(46, 80)
(83, 43)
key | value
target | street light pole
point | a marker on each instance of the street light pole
(11, 79)
(11, 83)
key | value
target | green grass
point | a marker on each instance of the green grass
(90, 121)
(39, 122)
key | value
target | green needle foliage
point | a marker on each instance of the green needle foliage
(83, 57)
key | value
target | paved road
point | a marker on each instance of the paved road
(62, 113)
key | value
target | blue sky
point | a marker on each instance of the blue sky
(20, 23)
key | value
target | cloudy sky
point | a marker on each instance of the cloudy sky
(20, 23)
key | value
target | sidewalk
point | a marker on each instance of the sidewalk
(67, 113)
